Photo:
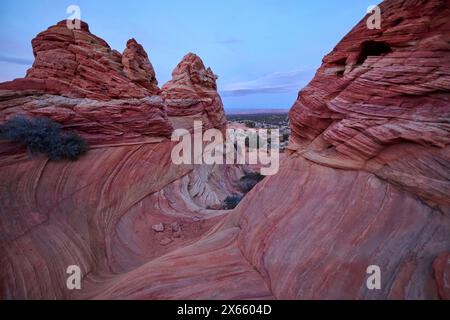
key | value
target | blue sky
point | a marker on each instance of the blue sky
(263, 51)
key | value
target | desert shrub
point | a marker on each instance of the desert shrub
(231, 202)
(42, 135)
(249, 181)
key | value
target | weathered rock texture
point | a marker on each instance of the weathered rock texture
(192, 95)
(101, 122)
(366, 183)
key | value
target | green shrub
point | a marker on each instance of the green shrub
(231, 202)
(44, 136)
(250, 124)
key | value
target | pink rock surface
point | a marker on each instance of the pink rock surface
(380, 101)
(79, 81)
(370, 158)
(331, 225)
(137, 67)
(97, 212)
(441, 267)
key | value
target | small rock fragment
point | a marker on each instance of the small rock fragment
(158, 227)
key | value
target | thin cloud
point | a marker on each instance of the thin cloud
(278, 82)
(21, 61)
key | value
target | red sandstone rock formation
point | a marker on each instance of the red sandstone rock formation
(137, 67)
(366, 184)
(97, 212)
(192, 95)
(78, 81)
(442, 275)
(370, 157)
(76, 63)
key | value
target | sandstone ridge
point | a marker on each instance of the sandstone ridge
(366, 183)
